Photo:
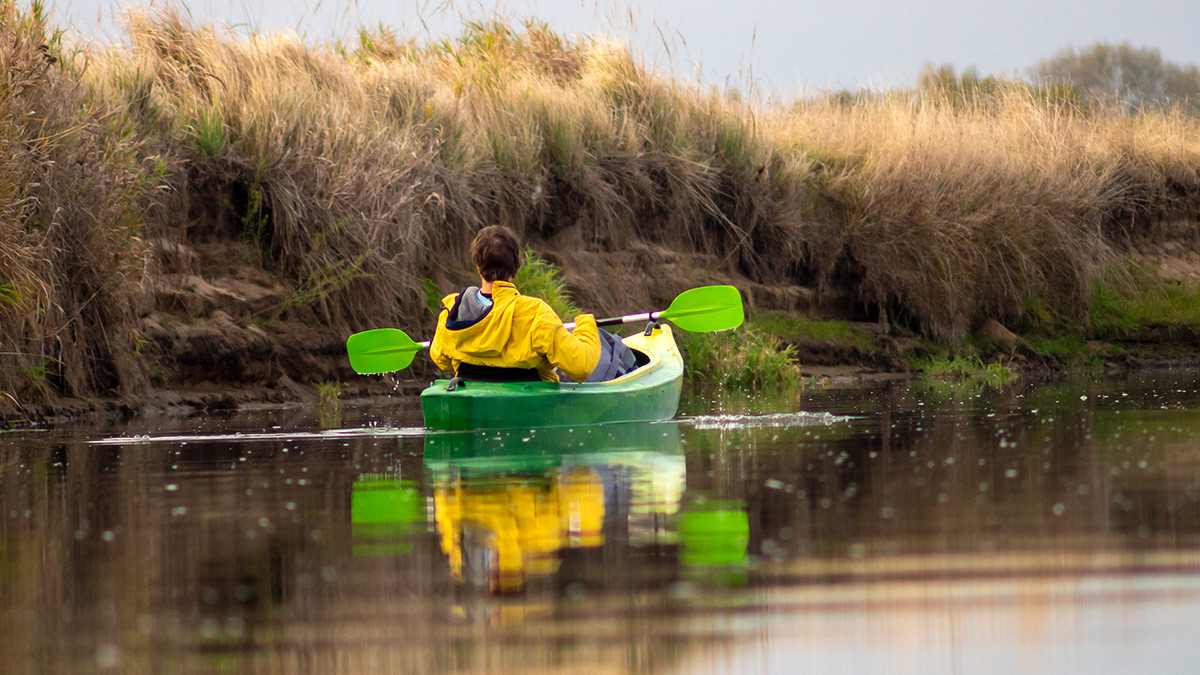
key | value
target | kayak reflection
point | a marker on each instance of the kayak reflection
(510, 504)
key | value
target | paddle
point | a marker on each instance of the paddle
(699, 310)
(704, 309)
(382, 350)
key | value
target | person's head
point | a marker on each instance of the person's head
(497, 253)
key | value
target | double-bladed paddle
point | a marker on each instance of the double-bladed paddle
(698, 310)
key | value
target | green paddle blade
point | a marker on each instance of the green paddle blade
(704, 309)
(382, 350)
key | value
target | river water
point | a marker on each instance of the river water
(895, 527)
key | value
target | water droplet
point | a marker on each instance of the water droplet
(108, 656)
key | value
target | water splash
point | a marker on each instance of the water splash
(329, 434)
(796, 419)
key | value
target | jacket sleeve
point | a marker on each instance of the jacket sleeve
(437, 346)
(576, 354)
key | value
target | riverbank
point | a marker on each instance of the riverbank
(197, 220)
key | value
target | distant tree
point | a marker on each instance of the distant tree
(1135, 77)
(944, 84)
(945, 81)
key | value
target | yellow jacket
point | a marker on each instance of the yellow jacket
(518, 331)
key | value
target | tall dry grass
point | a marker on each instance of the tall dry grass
(359, 172)
(376, 164)
(74, 186)
(957, 209)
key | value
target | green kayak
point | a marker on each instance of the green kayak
(651, 392)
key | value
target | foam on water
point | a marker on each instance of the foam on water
(796, 419)
(329, 434)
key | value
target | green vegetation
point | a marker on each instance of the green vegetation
(1071, 347)
(318, 284)
(433, 296)
(965, 364)
(747, 357)
(1131, 302)
(540, 278)
(329, 403)
(959, 368)
(207, 132)
(254, 224)
(794, 327)
(8, 294)
(1141, 299)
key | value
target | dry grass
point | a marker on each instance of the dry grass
(358, 173)
(73, 190)
(955, 212)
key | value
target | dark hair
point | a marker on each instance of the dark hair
(497, 253)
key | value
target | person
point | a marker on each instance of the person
(493, 333)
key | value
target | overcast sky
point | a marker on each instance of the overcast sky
(788, 47)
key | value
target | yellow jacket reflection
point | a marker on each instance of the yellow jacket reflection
(515, 527)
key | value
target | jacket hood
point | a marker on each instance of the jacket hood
(481, 326)
(470, 306)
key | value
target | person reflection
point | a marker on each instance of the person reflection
(497, 532)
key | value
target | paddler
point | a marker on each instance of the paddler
(491, 332)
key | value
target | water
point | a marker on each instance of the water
(894, 528)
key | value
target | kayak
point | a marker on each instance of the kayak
(648, 393)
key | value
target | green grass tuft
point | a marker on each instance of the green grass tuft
(207, 132)
(540, 278)
(433, 296)
(745, 357)
(9, 295)
(329, 403)
(960, 368)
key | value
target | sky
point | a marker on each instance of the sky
(781, 48)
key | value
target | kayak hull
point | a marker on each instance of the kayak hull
(649, 393)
